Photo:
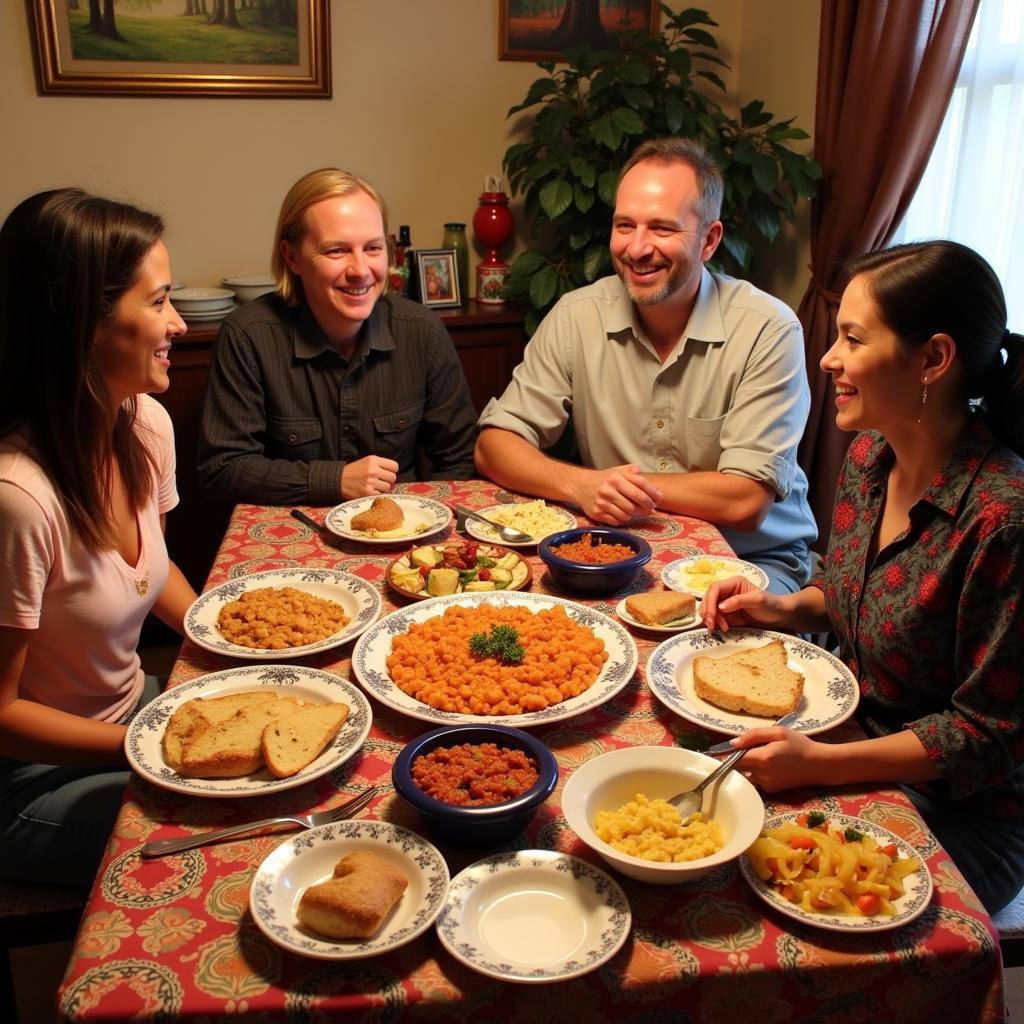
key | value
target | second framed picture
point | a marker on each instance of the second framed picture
(437, 277)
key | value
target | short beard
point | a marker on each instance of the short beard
(647, 297)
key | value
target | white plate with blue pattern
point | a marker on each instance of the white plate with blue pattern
(369, 659)
(143, 742)
(914, 901)
(360, 601)
(423, 518)
(534, 916)
(830, 692)
(309, 858)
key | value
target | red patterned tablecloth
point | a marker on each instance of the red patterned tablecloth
(172, 939)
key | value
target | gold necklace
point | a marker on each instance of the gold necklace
(142, 586)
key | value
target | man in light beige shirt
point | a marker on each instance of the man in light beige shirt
(687, 389)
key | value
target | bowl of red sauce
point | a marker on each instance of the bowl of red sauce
(475, 785)
(594, 560)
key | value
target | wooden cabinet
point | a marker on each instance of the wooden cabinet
(488, 338)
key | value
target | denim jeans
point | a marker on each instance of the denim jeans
(55, 820)
(989, 852)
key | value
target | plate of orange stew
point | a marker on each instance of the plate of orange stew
(574, 659)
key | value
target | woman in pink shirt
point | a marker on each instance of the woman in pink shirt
(86, 478)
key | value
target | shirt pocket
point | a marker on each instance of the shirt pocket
(294, 439)
(703, 443)
(396, 431)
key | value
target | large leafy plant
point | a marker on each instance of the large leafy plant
(592, 113)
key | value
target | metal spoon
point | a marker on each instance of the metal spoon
(691, 801)
(508, 533)
(310, 522)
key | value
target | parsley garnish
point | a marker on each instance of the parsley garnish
(815, 819)
(502, 644)
(853, 836)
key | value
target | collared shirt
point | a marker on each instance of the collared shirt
(732, 396)
(933, 626)
(285, 412)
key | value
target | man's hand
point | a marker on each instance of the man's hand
(368, 476)
(615, 495)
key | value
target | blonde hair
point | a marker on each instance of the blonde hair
(311, 188)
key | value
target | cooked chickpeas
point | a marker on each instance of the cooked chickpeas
(276, 618)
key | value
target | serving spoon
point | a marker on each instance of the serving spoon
(691, 801)
(508, 534)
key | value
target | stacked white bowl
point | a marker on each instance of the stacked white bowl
(203, 303)
(249, 286)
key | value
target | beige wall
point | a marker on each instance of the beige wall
(418, 107)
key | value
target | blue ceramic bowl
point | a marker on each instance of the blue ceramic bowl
(475, 826)
(594, 580)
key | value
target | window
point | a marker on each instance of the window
(973, 188)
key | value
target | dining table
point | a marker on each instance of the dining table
(173, 939)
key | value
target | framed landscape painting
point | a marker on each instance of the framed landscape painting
(184, 47)
(545, 29)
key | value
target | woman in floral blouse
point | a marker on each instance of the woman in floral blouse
(922, 583)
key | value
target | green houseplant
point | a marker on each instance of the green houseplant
(595, 109)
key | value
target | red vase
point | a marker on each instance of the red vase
(493, 224)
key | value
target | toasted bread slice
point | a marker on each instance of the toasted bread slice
(383, 514)
(354, 903)
(292, 742)
(233, 747)
(659, 607)
(756, 680)
(195, 715)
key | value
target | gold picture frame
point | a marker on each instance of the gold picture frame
(531, 31)
(253, 57)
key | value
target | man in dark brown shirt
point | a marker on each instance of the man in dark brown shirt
(329, 389)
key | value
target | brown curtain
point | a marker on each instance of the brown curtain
(886, 71)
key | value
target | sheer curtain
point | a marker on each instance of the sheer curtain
(973, 188)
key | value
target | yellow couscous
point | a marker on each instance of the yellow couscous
(536, 518)
(654, 830)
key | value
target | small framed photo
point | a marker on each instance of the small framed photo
(438, 277)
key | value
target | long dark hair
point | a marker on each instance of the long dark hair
(942, 287)
(66, 258)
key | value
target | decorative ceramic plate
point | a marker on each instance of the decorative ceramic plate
(679, 626)
(404, 568)
(143, 741)
(359, 599)
(369, 659)
(310, 857)
(534, 916)
(556, 519)
(830, 689)
(911, 904)
(423, 518)
(679, 575)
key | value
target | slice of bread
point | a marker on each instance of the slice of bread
(196, 715)
(354, 903)
(233, 747)
(659, 607)
(755, 680)
(292, 742)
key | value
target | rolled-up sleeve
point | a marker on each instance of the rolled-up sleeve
(766, 419)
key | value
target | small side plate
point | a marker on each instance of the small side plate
(534, 916)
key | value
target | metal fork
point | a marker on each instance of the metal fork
(160, 847)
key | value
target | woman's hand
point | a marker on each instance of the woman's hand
(737, 602)
(782, 759)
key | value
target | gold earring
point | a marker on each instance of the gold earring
(924, 397)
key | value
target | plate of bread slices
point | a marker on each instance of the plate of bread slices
(349, 890)
(388, 518)
(248, 731)
(659, 611)
(751, 678)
